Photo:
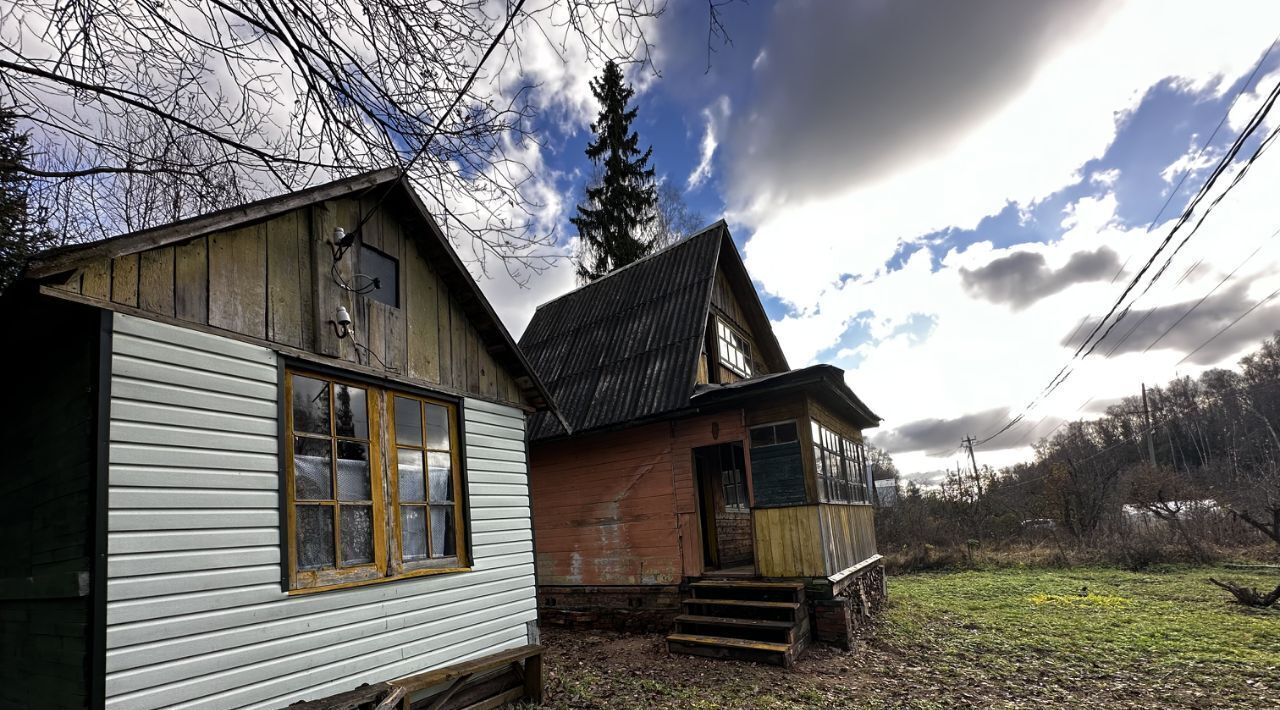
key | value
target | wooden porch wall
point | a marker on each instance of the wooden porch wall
(271, 282)
(848, 535)
(788, 542)
(619, 508)
(720, 428)
(602, 509)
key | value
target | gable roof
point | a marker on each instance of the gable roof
(624, 348)
(399, 194)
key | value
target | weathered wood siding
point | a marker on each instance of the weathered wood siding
(788, 542)
(621, 507)
(848, 534)
(46, 504)
(273, 282)
(604, 509)
(726, 305)
(196, 614)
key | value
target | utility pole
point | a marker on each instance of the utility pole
(1146, 413)
(968, 443)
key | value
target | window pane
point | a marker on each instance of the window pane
(315, 536)
(409, 466)
(353, 471)
(408, 421)
(310, 405)
(376, 265)
(413, 532)
(762, 436)
(785, 432)
(352, 415)
(439, 473)
(357, 534)
(442, 534)
(437, 427)
(312, 475)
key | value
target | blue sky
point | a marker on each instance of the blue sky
(933, 196)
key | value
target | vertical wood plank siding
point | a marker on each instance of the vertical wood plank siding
(788, 542)
(848, 534)
(274, 281)
(195, 612)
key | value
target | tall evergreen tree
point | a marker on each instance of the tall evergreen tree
(22, 230)
(618, 208)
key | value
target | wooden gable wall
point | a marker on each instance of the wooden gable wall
(272, 283)
(725, 304)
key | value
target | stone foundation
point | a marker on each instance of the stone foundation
(844, 612)
(619, 608)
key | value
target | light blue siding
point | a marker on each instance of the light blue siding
(195, 613)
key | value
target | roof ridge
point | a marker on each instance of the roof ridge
(718, 223)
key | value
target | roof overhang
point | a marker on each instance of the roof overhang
(822, 382)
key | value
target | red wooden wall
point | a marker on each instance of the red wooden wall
(620, 507)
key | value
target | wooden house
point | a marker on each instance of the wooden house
(250, 462)
(699, 473)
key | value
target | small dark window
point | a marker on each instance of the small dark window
(381, 276)
(770, 434)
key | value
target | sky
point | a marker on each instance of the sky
(940, 197)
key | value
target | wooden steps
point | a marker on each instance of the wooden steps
(748, 620)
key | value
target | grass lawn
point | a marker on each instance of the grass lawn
(1005, 638)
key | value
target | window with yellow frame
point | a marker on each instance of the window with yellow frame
(358, 514)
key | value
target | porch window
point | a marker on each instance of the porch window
(337, 493)
(735, 349)
(770, 434)
(734, 481)
(839, 465)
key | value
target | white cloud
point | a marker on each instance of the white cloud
(714, 116)
(824, 256)
(982, 356)
(1030, 147)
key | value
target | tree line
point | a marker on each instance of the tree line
(1202, 475)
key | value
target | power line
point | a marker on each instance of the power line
(1213, 290)
(1230, 325)
(1089, 342)
(1203, 146)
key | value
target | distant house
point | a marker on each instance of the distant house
(696, 456)
(249, 462)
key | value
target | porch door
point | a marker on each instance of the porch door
(723, 508)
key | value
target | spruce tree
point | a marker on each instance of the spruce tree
(617, 209)
(22, 231)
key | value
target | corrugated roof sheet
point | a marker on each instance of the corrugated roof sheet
(626, 346)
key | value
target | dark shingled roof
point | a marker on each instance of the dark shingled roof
(625, 347)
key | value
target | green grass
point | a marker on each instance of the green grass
(992, 638)
(1168, 624)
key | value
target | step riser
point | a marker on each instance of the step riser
(696, 606)
(768, 635)
(755, 595)
(737, 654)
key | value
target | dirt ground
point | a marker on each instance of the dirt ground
(998, 642)
(588, 669)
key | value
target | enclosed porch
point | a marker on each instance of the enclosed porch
(787, 523)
